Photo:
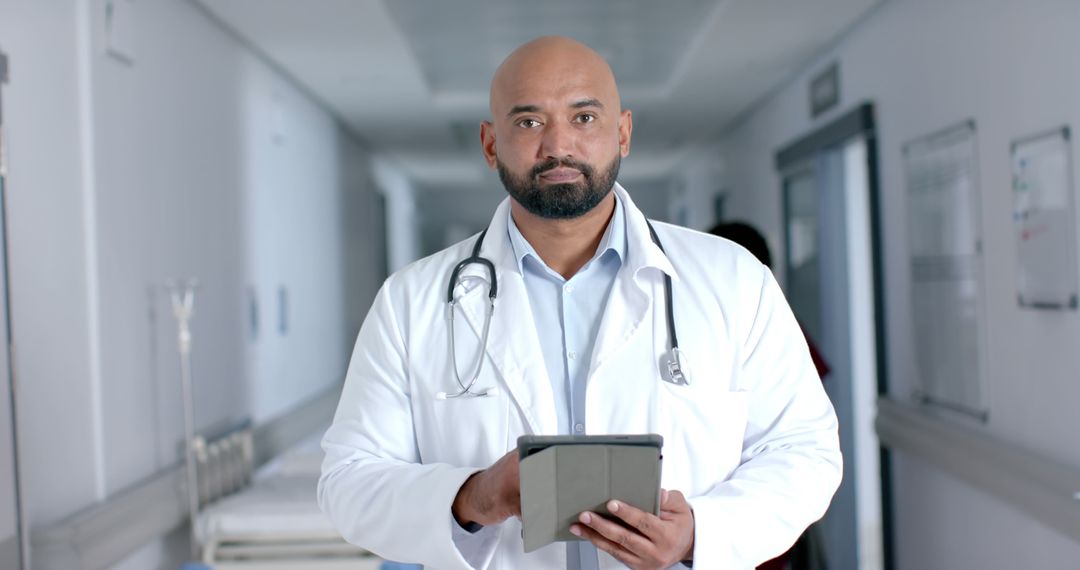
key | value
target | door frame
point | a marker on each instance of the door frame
(860, 121)
(22, 534)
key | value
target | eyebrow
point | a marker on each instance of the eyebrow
(591, 102)
(522, 109)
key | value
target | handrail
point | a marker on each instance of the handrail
(1045, 489)
(106, 533)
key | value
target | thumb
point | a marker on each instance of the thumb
(673, 501)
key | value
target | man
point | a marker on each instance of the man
(577, 341)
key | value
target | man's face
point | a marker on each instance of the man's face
(557, 133)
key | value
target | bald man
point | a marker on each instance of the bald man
(420, 461)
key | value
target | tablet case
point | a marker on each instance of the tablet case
(562, 476)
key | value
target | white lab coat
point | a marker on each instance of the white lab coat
(751, 441)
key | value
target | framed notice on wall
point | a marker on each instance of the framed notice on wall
(1044, 217)
(946, 264)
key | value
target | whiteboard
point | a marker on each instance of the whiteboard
(1044, 220)
(945, 254)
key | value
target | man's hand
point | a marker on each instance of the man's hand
(490, 496)
(651, 542)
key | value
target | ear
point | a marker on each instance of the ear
(626, 128)
(487, 143)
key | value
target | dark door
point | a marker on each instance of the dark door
(829, 280)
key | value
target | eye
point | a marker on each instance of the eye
(585, 118)
(528, 123)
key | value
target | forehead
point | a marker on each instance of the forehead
(552, 84)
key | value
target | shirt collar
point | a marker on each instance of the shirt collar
(614, 239)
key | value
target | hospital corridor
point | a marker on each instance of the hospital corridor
(504, 285)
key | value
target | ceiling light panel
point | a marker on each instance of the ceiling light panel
(643, 40)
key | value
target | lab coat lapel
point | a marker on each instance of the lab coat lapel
(513, 344)
(637, 288)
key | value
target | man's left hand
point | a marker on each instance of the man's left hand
(651, 542)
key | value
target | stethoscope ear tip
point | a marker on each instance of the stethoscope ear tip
(440, 396)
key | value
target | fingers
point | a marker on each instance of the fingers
(510, 483)
(645, 540)
(603, 543)
(673, 501)
(646, 523)
(491, 496)
(616, 533)
(508, 463)
(506, 479)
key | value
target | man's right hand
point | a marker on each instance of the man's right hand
(490, 496)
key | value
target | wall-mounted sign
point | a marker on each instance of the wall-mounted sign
(946, 269)
(825, 90)
(1043, 215)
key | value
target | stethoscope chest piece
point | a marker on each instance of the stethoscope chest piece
(675, 369)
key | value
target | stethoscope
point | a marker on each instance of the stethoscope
(673, 366)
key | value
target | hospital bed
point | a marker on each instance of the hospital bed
(268, 520)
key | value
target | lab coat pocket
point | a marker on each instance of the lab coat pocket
(466, 431)
(703, 429)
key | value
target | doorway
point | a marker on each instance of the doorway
(832, 268)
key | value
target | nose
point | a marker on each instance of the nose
(557, 142)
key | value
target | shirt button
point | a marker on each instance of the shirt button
(568, 288)
(572, 355)
(579, 428)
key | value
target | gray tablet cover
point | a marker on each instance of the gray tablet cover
(563, 476)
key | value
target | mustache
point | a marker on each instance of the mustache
(553, 163)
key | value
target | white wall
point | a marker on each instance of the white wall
(650, 196)
(402, 218)
(47, 258)
(927, 65)
(692, 191)
(168, 143)
(307, 224)
(211, 164)
(197, 159)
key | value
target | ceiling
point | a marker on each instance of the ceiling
(410, 77)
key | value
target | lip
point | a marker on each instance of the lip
(561, 174)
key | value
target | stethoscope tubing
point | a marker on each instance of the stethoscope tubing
(493, 289)
(668, 303)
(674, 366)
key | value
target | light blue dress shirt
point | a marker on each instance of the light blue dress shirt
(567, 314)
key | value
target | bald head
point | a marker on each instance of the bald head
(552, 60)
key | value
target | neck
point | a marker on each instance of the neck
(565, 245)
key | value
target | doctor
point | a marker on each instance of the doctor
(578, 340)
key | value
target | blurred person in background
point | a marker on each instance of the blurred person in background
(798, 558)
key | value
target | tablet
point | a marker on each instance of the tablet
(562, 476)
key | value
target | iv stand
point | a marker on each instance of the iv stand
(182, 294)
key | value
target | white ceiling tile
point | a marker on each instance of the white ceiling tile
(410, 76)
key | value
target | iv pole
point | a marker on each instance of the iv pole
(182, 295)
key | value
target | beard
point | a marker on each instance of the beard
(560, 201)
